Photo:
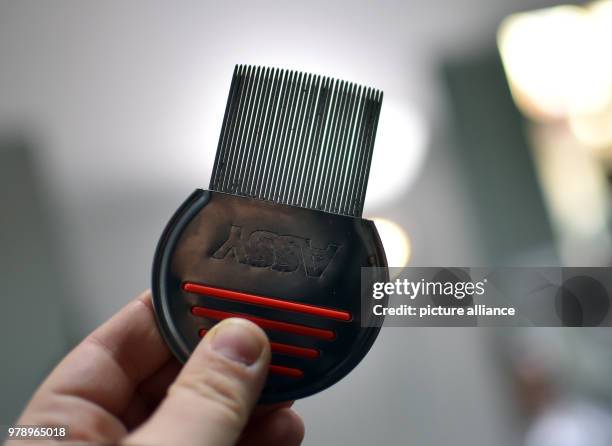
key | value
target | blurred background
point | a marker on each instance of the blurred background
(494, 148)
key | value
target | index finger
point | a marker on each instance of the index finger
(107, 366)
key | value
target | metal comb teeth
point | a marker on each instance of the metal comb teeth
(297, 139)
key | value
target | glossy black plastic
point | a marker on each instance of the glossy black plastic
(280, 251)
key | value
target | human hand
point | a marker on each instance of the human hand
(121, 385)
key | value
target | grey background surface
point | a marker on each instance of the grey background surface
(121, 105)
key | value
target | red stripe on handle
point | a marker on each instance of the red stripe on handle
(286, 349)
(267, 301)
(302, 330)
(286, 371)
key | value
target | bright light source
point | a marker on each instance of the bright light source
(593, 131)
(401, 144)
(575, 184)
(395, 241)
(557, 59)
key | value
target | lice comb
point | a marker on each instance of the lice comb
(278, 238)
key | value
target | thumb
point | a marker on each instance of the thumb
(213, 396)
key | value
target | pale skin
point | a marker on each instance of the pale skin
(121, 385)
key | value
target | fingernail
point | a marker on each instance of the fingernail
(234, 339)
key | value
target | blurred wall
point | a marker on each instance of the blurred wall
(124, 101)
(32, 335)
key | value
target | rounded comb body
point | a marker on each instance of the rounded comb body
(295, 272)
